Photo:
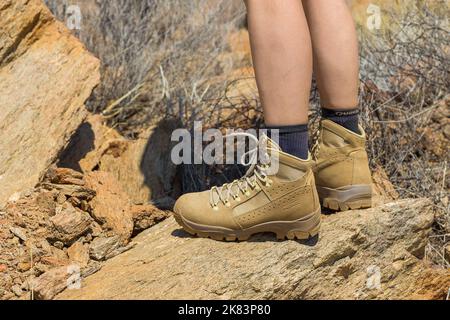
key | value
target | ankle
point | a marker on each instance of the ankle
(293, 139)
(348, 118)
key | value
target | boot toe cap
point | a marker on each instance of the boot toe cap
(188, 207)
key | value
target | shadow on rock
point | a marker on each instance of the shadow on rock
(81, 143)
(156, 165)
(259, 237)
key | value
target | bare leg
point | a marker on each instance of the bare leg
(335, 45)
(282, 57)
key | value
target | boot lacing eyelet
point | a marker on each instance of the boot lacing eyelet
(257, 171)
(268, 183)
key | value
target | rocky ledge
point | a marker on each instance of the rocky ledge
(364, 254)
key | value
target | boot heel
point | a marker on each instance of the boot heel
(302, 235)
(302, 229)
(346, 198)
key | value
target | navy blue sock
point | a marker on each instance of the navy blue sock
(348, 118)
(293, 139)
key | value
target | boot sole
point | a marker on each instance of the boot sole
(301, 229)
(346, 198)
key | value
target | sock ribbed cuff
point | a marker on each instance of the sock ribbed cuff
(289, 129)
(348, 118)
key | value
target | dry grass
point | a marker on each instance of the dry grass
(157, 56)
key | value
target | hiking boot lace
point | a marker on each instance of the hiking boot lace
(317, 141)
(256, 171)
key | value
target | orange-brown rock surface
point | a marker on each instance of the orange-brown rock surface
(46, 75)
(65, 225)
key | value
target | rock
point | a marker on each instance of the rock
(119, 250)
(8, 296)
(29, 217)
(79, 254)
(447, 130)
(75, 202)
(362, 254)
(111, 206)
(23, 266)
(45, 246)
(58, 245)
(40, 268)
(19, 233)
(70, 224)
(50, 283)
(100, 248)
(54, 262)
(56, 257)
(143, 167)
(46, 200)
(64, 176)
(146, 216)
(70, 190)
(18, 280)
(89, 143)
(92, 268)
(14, 197)
(25, 285)
(17, 290)
(33, 45)
(383, 189)
(97, 230)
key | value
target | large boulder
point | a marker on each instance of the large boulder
(364, 254)
(46, 75)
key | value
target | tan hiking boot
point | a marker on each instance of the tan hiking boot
(285, 203)
(341, 171)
